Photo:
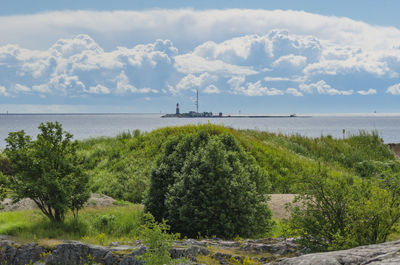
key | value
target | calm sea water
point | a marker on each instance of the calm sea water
(92, 125)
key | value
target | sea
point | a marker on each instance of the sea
(84, 126)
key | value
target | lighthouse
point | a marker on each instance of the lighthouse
(177, 108)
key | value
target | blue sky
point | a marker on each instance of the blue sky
(252, 56)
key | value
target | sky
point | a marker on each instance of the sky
(243, 56)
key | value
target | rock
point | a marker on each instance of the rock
(190, 253)
(379, 254)
(75, 253)
(222, 258)
(277, 247)
(12, 253)
(130, 260)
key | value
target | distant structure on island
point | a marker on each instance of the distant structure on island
(196, 114)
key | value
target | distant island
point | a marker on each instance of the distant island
(196, 114)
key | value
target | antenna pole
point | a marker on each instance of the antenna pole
(197, 100)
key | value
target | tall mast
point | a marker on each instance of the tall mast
(197, 100)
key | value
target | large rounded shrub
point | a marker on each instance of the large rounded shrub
(205, 183)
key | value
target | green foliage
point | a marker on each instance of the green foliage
(47, 171)
(5, 165)
(121, 167)
(206, 183)
(344, 212)
(158, 243)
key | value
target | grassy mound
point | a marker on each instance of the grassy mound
(120, 167)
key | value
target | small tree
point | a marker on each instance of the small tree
(47, 171)
(207, 184)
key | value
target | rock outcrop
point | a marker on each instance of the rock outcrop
(380, 254)
(274, 251)
(12, 253)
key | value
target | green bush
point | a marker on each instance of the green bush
(344, 212)
(5, 165)
(205, 183)
(158, 243)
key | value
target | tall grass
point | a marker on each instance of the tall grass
(94, 225)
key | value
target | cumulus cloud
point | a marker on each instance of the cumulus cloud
(21, 88)
(394, 90)
(44, 88)
(191, 81)
(124, 85)
(211, 89)
(325, 89)
(3, 91)
(294, 92)
(98, 89)
(370, 91)
(76, 66)
(191, 63)
(235, 52)
(290, 60)
(256, 89)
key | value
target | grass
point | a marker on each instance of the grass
(120, 167)
(94, 225)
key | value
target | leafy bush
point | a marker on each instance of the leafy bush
(344, 212)
(47, 171)
(5, 165)
(158, 243)
(205, 183)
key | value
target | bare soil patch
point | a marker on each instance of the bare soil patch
(396, 149)
(96, 200)
(277, 204)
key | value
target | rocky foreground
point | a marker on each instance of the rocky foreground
(73, 253)
(265, 251)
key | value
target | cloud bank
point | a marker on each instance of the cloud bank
(150, 54)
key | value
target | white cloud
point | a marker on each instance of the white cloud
(3, 91)
(296, 79)
(98, 89)
(64, 82)
(191, 63)
(44, 88)
(370, 91)
(256, 89)
(294, 92)
(192, 81)
(394, 90)
(290, 60)
(21, 88)
(123, 86)
(125, 28)
(276, 79)
(236, 81)
(216, 51)
(211, 89)
(323, 88)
